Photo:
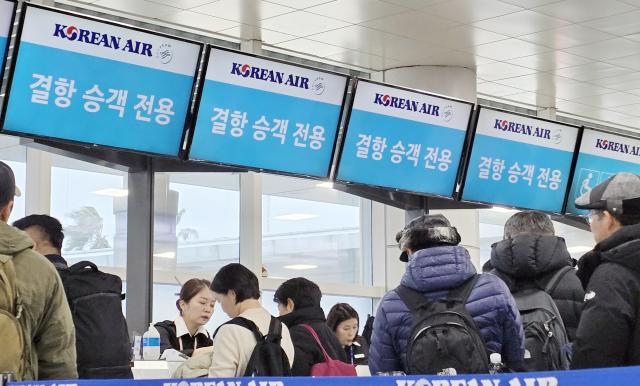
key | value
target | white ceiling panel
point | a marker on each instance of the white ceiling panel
(606, 49)
(417, 25)
(357, 11)
(530, 3)
(620, 83)
(499, 70)
(461, 37)
(468, 11)
(360, 38)
(573, 108)
(582, 10)
(243, 11)
(496, 89)
(520, 23)
(627, 23)
(182, 4)
(549, 61)
(251, 32)
(607, 101)
(140, 7)
(591, 71)
(306, 45)
(507, 49)
(199, 21)
(539, 82)
(299, 4)
(631, 61)
(302, 23)
(571, 91)
(533, 99)
(633, 110)
(569, 36)
(414, 4)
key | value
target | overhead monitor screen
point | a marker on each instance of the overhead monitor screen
(267, 115)
(403, 139)
(519, 161)
(601, 156)
(89, 81)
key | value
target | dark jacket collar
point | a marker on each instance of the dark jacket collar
(528, 256)
(303, 315)
(57, 260)
(622, 247)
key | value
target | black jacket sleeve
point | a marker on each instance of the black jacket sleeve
(569, 297)
(607, 322)
(167, 333)
(306, 351)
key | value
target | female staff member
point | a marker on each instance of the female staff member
(187, 332)
(344, 321)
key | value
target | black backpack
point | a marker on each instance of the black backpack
(102, 338)
(268, 358)
(443, 335)
(544, 332)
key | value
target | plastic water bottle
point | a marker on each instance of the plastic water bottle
(495, 365)
(151, 344)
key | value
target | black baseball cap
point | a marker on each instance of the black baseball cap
(8, 188)
(619, 195)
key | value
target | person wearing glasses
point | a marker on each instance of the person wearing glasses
(609, 331)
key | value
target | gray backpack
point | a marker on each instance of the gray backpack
(544, 332)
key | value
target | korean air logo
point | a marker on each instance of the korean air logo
(318, 86)
(406, 104)
(385, 100)
(617, 147)
(279, 77)
(164, 53)
(528, 130)
(556, 136)
(447, 113)
(71, 32)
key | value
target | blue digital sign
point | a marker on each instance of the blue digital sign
(269, 115)
(7, 11)
(402, 139)
(519, 161)
(83, 80)
(601, 156)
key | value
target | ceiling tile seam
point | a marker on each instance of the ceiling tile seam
(404, 10)
(475, 21)
(582, 21)
(239, 22)
(299, 9)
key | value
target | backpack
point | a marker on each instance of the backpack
(330, 367)
(268, 358)
(102, 338)
(11, 334)
(367, 331)
(443, 336)
(544, 332)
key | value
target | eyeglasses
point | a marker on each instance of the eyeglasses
(590, 216)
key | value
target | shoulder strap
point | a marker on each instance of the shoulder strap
(246, 323)
(8, 280)
(555, 280)
(412, 298)
(82, 265)
(327, 358)
(462, 292)
(275, 327)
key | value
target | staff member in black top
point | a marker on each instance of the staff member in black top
(187, 332)
(344, 322)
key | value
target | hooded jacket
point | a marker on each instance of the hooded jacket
(435, 271)
(535, 259)
(609, 330)
(307, 351)
(50, 346)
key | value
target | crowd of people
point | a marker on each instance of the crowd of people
(532, 304)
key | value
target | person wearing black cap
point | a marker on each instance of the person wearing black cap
(37, 301)
(436, 266)
(609, 331)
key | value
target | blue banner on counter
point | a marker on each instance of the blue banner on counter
(601, 156)
(83, 80)
(7, 11)
(404, 140)
(622, 376)
(519, 161)
(264, 114)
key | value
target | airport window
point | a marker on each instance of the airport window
(15, 155)
(312, 230)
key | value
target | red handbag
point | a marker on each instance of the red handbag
(330, 367)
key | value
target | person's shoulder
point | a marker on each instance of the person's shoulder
(168, 325)
(30, 264)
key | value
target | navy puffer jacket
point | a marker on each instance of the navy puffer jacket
(434, 271)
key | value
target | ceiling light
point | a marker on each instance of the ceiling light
(111, 192)
(579, 249)
(500, 209)
(327, 185)
(296, 216)
(300, 267)
(166, 255)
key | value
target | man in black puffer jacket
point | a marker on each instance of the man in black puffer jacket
(531, 254)
(609, 331)
(299, 304)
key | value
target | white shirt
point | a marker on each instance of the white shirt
(182, 330)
